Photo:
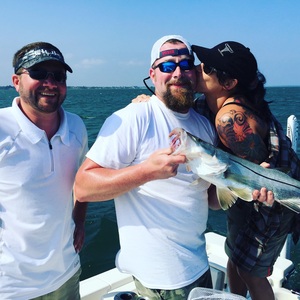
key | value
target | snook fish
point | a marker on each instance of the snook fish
(233, 177)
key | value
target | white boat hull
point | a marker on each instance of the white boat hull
(106, 285)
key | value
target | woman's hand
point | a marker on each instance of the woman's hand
(264, 196)
(141, 98)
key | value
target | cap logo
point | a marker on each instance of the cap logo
(174, 52)
(37, 53)
(226, 49)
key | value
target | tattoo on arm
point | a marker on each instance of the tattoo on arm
(233, 128)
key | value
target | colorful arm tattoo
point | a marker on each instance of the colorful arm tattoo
(236, 133)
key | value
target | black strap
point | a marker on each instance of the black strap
(258, 113)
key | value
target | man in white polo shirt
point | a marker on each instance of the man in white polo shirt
(41, 148)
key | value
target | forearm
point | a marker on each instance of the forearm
(95, 183)
(101, 184)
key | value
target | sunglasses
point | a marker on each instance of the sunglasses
(170, 66)
(43, 74)
(209, 70)
(220, 74)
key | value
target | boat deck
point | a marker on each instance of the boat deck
(108, 284)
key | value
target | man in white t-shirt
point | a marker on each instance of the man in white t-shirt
(161, 215)
(41, 148)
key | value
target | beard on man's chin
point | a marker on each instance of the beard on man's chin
(180, 99)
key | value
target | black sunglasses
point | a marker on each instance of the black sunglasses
(209, 70)
(170, 66)
(43, 74)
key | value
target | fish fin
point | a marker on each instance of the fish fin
(243, 193)
(226, 198)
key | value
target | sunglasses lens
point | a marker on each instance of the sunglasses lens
(43, 74)
(186, 65)
(170, 66)
(37, 74)
(167, 67)
(59, 77)
(207, 69)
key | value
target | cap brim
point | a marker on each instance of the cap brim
(42, 59)
(68, 68)
(205, 55)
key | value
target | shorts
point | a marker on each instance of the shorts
(68, 291)
(177, 294)
(236, 217)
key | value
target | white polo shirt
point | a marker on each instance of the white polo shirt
(36, 180)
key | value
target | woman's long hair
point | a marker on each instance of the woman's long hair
(255, 93)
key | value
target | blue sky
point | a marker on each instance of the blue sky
(108, 42)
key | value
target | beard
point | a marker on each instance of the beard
(180, 99)
(33, 99)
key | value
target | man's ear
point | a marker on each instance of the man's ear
(15, 81)
(230, 84)
(152, 75)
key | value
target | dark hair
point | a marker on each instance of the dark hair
(255, 93)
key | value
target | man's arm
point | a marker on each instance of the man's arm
(242, 132)
(95, 183)
(213, 201)
(79, 213)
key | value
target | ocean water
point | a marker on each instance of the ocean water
(94, 105)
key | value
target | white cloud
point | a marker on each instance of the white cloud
(91, 62)
(132, 63)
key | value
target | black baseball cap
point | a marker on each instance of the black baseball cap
(231, 57)
(40, 54)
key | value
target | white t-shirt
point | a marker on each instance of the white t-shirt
(36, 227)
(161, 223)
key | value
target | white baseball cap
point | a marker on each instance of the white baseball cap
(156, 53)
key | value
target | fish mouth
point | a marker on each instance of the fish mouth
(176, 139)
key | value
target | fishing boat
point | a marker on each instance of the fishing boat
(113, 284)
